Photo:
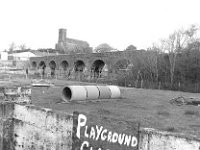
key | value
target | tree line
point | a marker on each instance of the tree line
(173, 63)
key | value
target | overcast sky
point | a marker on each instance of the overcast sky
(119, 23)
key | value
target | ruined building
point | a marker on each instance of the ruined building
(69, 45)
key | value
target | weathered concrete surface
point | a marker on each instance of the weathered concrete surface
(6, 126)
(30, 127)
(41, 128)
(151, 139)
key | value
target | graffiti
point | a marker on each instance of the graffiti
(88, 136)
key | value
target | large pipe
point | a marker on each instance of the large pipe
(104, 92)
(89, 92)
(73, 92)
(115, 91)
(92, 92)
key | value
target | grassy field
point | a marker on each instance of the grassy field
(149, 107)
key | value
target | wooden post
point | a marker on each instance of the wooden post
(159, 86)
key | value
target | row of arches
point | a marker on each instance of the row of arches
(79, 66)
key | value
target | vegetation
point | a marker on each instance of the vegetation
(104, 47)
(131, 48)
(12, 46)
(173, 64)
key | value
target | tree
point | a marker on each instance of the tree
(152, 60)
(174, 44)
(104, 47)
(12, 46)
(131, 48)
(22, 47)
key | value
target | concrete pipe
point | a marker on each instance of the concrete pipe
(115, 91)
(73, 93)
(104, 92)
(92, 92)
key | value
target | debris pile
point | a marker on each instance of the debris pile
(20, 94)
(185, 101)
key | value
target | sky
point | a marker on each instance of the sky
(119, 23)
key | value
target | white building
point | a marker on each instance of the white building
(3, 55)
(22, 55)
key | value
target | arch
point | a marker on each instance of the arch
(64, 65)
(34, 64)
(42, 64)
(97, 67)
(79, 66)
(52, 66)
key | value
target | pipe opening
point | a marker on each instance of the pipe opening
(67, 94)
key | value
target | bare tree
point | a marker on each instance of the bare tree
(22, 47)
(152, 62)
(175, 43)
(12, 46)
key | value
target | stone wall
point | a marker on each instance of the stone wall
(151, 139)
(29, 127)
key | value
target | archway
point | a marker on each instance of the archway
(52, 66)
(97, 67)
(64, 65)
(63, 68)
(34, 65)
(42, 66)
(79, 66)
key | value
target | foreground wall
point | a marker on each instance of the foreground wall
(30, 127)
(151, 139)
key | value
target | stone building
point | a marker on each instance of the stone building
(68, 45)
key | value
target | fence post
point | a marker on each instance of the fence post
(141, 86)
(159, 86)
(179, 85)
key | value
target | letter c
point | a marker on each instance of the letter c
(85, 143)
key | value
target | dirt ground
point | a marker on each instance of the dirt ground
(149, 107)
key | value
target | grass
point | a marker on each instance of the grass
(191, 112)
(103, 111)
(138, 105)
(170, 129)
(145, 106)
(163, 113)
